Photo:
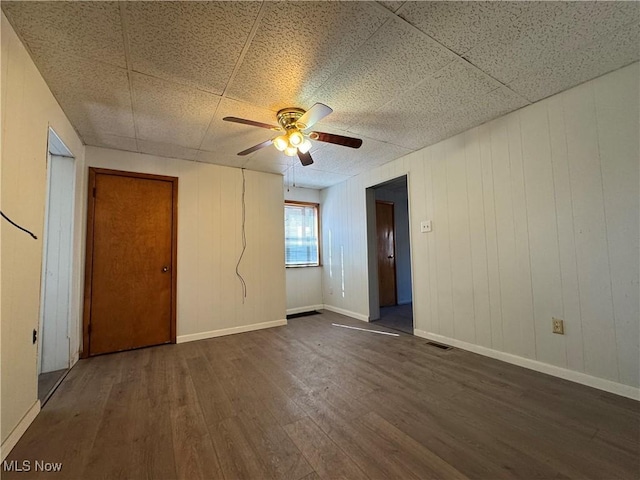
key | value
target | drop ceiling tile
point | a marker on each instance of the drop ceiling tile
(462, 25)
(192, 43)
(87, 29)
(110, 141)
(483, 109)
(349, 161)
(308, 177)
(171, 113)
(95, 96)
(221, 158)
(392, 5)
(297, 46)
(547, 34)
(419, 109)
(167, 150)
(233, 137)
(606, 54)
(395, 59)
(271, 163)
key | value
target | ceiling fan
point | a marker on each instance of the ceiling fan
(293, 123)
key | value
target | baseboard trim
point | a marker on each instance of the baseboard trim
(229, 331)
(348, 313)
(310, 308)
(571, 375)
(17, 432)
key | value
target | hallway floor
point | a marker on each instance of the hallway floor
(398, 317)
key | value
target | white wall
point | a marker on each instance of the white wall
(304, 284)
(535, 215)
(209, 243)
(28, 108)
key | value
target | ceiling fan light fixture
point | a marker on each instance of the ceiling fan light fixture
(296, 138)
(291, 151)
(281, 142)
(305, 146)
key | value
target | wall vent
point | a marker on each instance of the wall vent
(302, 314)
(439, 345)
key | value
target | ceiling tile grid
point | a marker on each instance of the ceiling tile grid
(419, 109)
(395, 58)
(308, 177)
(606, 54)
(95, 96)
(170, 150)
(91, 30)
(462, 25)
(298, 46)
(105, 140)
(351, 162)
(392, 5)
(193, 43)
(234, 137)
(158, 77)
(229, 159)
(171, 113)
(550, 33)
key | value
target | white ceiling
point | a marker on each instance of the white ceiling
(158, 77)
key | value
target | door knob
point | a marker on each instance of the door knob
(390, 256)
(165, 269)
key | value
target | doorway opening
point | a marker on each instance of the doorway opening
(54, 347)
(390, 290)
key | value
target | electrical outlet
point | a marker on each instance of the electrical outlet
(425, 226)
(558, 326)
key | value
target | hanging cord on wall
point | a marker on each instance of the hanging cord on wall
(244, 241)
(17, 226)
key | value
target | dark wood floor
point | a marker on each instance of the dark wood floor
(314, 401)
(47, 383)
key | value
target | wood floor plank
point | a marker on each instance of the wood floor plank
(212, 398)
(237, 457)
(195, 455)
(311, 400)
(325, 457)
(423, 462)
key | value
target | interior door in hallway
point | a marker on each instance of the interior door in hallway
(386, 253)
(131, 257)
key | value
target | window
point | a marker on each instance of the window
(301, 234)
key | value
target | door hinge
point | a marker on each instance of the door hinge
(94, 192)
(89, 329)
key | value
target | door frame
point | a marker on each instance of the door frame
(395, 267)
(56, 148)
(88, 273)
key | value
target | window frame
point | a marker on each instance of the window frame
(316, 206)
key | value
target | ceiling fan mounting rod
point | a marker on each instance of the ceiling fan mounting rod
(288, 118)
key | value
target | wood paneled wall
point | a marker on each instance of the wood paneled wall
(210, 298)
(535, 215)
(28, 110)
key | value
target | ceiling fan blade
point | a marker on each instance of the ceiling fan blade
(313, 115)
(244, 121)
(305, 158)
(256, 147)
(336, 139)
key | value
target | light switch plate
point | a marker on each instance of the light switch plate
(425, 226)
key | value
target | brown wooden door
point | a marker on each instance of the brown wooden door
(130, 261)
(386, 253)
